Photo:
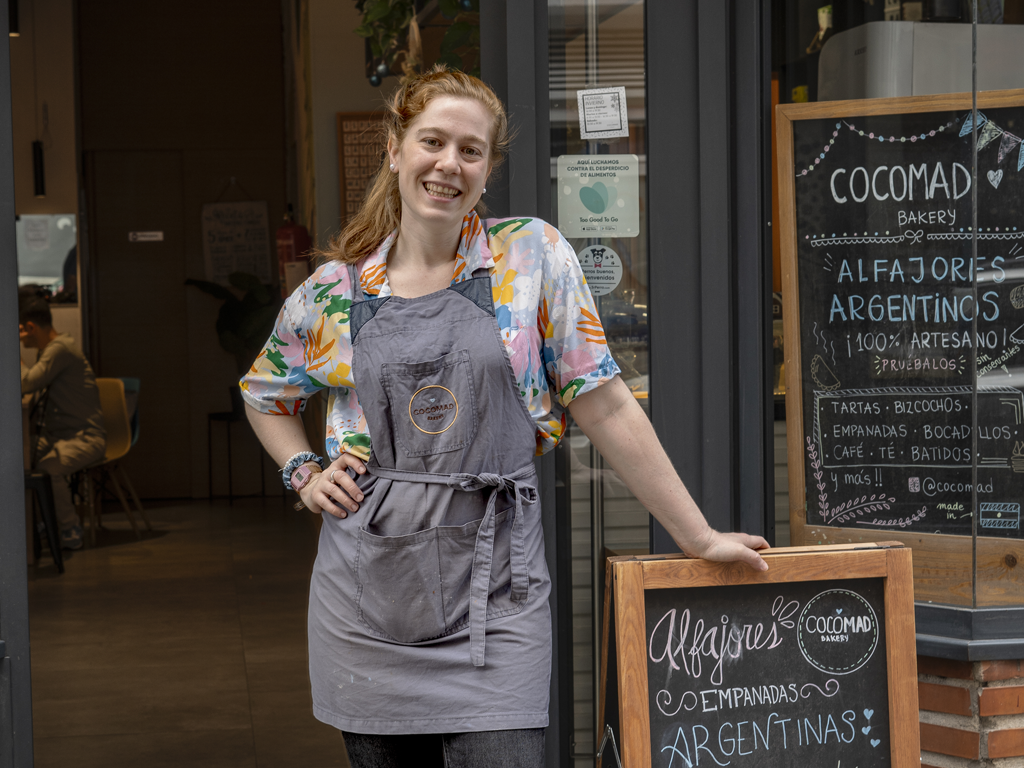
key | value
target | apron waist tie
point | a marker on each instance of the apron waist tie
(483, 553)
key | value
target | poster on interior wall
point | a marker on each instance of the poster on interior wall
(236, 238)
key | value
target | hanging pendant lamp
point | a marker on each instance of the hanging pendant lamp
(38, 174)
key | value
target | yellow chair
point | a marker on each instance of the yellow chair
(119, 440)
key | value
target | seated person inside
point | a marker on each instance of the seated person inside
(71, 435)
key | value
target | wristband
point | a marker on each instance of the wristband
(294, 462)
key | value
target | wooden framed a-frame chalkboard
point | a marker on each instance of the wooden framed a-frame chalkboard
(891, 323)
(809, 663)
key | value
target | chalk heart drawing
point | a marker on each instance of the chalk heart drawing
(994, 177)
(875, 742)
(866, 730)
(839, 611)
(868, 713)
(598, 198)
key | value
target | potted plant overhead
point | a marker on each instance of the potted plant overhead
(392, 29)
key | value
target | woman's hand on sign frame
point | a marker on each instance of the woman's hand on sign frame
(333, 490)
(729, 547)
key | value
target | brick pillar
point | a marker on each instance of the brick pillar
(972, 713)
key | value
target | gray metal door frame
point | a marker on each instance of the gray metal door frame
(514, 62)
(708, 97)
(708, 113)
(15, 670)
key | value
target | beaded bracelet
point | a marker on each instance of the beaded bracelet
(295, 462)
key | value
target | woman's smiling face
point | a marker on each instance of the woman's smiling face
(443, 162)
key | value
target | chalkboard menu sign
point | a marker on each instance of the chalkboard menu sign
(893, 322)
(809, 664)
(739, 674)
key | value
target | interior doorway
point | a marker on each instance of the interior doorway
(128, 122)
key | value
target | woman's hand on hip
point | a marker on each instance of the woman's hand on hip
(333, 490)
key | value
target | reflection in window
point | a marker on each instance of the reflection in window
(48, 254)
(905, 383)
(599, 45)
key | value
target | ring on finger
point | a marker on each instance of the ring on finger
(332, 475)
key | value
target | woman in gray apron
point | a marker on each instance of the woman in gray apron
(451, 348)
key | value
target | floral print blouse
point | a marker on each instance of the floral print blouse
(548, 322)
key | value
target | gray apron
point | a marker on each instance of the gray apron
(429, 606)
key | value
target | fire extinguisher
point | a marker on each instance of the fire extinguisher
(293, 245)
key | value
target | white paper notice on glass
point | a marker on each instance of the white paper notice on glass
(236, 238)
(598, 195)
(602, 113)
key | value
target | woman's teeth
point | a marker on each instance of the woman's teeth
(437, 189)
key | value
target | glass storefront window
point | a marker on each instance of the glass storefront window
(599, 191)
(997, 251)
(897, 204)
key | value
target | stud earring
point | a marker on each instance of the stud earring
(392, 166)
(485, 190)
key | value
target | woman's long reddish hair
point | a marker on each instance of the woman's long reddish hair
(381, 213)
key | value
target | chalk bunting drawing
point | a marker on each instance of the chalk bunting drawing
(997, 235)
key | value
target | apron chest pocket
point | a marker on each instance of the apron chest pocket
(433, 403)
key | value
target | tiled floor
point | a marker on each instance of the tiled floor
(185, 649)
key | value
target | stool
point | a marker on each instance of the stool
(228, 418)
(42, 487)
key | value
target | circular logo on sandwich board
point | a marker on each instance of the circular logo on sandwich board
(433, 409)
(838, 631)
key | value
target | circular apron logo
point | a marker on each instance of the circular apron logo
(433, 409)
(838, 631)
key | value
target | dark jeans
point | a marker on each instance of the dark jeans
(493, 749)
